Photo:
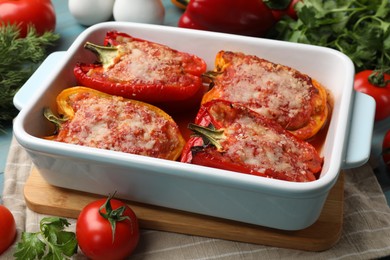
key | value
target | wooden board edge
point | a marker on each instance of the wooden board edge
(176, 221)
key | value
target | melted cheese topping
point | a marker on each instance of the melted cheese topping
(145, 62)
(265, 147)
(259, 147)
(275, 91)
(119, 125)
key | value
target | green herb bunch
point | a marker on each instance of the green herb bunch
(358, 28)
(51, 242)
(19, 57)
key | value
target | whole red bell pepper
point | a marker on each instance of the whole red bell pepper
(142, 70)
(233, 137)
(250, 17)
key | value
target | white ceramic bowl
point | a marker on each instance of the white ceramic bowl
(230, 195)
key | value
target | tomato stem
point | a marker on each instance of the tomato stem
(111, 215)
(377, 78)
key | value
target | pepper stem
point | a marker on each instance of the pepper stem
(209, 134)
(210, 76)
(57, 121)
(106, 54)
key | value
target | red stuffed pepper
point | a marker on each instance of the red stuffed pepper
(232, 137)
(142, 70)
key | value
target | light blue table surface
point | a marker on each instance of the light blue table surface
(69, 29)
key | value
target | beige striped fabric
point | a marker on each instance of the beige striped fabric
(366, 228)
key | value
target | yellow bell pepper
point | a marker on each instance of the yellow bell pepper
(96, 119)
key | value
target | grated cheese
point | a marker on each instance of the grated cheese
(119, 125)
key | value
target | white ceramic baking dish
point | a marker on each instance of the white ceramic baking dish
(230, 195)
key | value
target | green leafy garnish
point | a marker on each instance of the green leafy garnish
(52, 242)
(19, 57)
(358, 28)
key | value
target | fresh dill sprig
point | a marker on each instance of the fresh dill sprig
(19, 57)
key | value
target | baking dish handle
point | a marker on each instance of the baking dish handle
(358, 146)
(31, 86)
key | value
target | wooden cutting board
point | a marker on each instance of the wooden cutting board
(44, 198)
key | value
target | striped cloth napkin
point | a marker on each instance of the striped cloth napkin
(366, 225)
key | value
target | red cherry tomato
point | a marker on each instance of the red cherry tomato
(381, 94)
(7, 227)
(94, 230)
(39, 13)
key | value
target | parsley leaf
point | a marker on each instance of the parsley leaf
(33, 247)
(358, 28)
(52, 242)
